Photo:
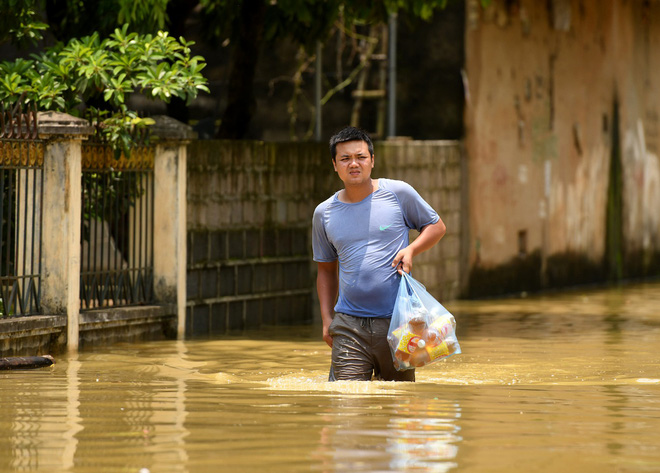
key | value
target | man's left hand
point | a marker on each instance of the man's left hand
(403, 261)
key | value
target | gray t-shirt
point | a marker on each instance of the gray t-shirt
(365, 237)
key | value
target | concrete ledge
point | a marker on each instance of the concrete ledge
(106, 326)
(46, 334)
(32, 336)
(112, 316)
(20, 326)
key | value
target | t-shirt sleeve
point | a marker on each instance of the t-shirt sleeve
(416, 211)
(324, 251)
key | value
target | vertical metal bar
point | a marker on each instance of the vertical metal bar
(39, 239)
(122, 235)
(23, 172)
(92, 234)
(104, 192)
(125, 246)
(84, 259)
(10, 206)
(391, 104)
(134, 253)
(88, 199)
(151, 233)
(34, 305)
(140, 223)
(9, 269)
(113, 221)
(138, 217)
(3, 264)
(112, 216)
(84, 223)
(120, 243)
(131, 251)
(25, 215)
(88, 206)
(94, 205)
(147, 247)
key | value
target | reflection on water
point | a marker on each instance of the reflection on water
(563, 382)
(399, 434)
(426, 437)
(73, 419)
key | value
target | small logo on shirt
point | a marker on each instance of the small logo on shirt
(384, 227)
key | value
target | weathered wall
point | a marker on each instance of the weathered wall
(250, 206)
(544, 139)
(638, 84)
(435, 169)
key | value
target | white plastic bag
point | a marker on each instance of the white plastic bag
(421, 330)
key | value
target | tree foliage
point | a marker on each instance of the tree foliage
(307, 21)
(20, 23)
(85, 72)
(92, 76)
(77, 18)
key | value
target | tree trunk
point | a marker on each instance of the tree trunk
(241, 103)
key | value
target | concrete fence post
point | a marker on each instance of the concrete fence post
(170, 224)
(61, 213)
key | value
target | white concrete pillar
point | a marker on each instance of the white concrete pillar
(60, 253)
(170, 222)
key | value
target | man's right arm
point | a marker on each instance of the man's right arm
(327, 287)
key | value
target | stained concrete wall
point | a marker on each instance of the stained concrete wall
(638, 83)
(249, 210)
(562, 103)
(250, 207)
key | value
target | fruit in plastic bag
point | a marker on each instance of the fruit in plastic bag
(417, 346)
(422, 330)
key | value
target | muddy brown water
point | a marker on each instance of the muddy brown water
(563, 382)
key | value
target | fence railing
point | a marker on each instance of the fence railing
(81, 228)
(21, 181)
(117, 221)
(117, 227)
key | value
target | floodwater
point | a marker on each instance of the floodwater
(565, 382)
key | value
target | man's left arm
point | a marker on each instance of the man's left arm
(427, 238)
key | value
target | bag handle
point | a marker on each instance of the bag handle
(408, 278)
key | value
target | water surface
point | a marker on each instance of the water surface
(563, 382)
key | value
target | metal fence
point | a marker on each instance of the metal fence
(21, 181)
(117, 227)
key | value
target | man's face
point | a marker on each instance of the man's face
(353, 162)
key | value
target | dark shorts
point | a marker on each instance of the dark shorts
(360, 351)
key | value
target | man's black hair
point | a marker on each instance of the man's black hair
(350, 133)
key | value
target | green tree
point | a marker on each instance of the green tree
(247, 25)
(94, 76)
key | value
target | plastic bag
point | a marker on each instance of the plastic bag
(421, 330)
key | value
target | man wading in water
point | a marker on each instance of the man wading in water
(360, 242)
